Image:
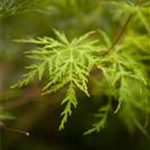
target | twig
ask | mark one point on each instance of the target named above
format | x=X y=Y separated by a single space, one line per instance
x=18 y=131
x=120 y=33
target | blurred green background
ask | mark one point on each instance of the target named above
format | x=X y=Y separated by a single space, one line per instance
x=41 y=115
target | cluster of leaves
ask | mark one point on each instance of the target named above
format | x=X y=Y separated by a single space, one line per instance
x=127 y=71
x=69 y=63
x=128 y=80
x=140 y=11
x=12 y=7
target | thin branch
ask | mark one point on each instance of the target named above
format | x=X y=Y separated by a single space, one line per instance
x=119 y=35
x=121 y=31
x=18 y=131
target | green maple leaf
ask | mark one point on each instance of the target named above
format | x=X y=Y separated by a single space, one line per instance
x=68 y=64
